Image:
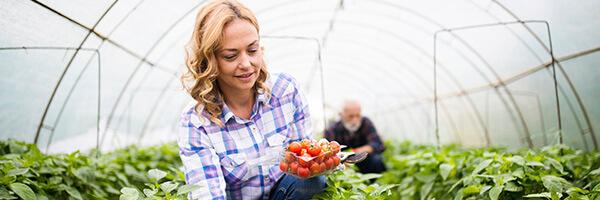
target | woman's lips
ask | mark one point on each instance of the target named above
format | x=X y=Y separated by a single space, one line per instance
x=245 y=77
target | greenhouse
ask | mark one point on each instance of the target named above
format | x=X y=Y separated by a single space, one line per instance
x=460 y=99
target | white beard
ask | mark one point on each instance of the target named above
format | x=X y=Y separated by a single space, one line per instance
x=352 y=128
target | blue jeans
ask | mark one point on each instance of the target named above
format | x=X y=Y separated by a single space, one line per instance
x=372 y=164
x=290 y=187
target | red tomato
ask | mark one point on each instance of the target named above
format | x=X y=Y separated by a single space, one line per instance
x=315 y=168
x=323 y=167
x=314 y=150
x=336 y=160
x=303 y=172
x=283 y=166
x=305 y=143
x=294 y=167
x=335 y=146
x=290 y=157
x=304 y=161
x=329 y=163
x=295 y=147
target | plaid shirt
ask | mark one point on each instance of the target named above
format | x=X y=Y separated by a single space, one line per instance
x=240 y=160
x=366 y=134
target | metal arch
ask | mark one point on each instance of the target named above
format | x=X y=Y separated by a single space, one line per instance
x=37 y=134
x=464 y=43
x=561 y=89
x=264 y=36
x=569 y=82
x=453 y=125
x=99 y=79
x=511 y=98
x=472 y=50
x=479 y=117
x=122 y=91
x=420 y=50
x=509 y=80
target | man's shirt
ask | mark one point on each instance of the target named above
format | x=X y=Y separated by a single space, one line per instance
x=366 y=134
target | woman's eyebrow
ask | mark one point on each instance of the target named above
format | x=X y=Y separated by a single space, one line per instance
x=253 y=43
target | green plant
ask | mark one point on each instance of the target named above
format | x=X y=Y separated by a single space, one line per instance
x=168 y=190
x=450 y=172
x=348 y=184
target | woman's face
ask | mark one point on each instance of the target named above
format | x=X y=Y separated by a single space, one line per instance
x=239 y=57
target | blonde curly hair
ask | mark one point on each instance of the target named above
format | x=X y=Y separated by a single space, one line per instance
x=200 y=78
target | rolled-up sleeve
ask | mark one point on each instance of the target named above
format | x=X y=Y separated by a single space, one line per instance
x=201 y=163
x=372 y=137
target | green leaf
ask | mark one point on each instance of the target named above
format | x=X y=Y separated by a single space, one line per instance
x=168 y=186
x=149 y=192
x=157 y=174
x=128 y=193
x=517 y=160
x=512 y=187
x=23 y=191
x=539 y=195
x=183 y=190
x=73 y=193
x=425 y=189
x=556 y=165
x=553 y=183
x=471 y=189
x=495 y=192
x=535 y=164
x=482 y=165
x=5 y=195
x=17 y=172
x=445 y=170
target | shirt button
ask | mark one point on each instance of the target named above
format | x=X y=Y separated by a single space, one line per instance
x=254 y=128
x=267 y=179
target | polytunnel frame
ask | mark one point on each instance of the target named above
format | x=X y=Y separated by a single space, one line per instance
x=582 y=107
x=418 y=14
x=568 y=80
x=422 y=51
x=501 y=83
x=90 y=31
x=99 y=66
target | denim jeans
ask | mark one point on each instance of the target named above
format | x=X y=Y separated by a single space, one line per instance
x=290 y=187
x=372 y=164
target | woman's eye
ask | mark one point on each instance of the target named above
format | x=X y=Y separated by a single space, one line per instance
x=252 y=50
x=229 y=57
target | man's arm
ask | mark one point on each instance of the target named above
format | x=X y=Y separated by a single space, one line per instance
x=374 y=144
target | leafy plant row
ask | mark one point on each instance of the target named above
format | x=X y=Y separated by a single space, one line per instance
x=452 y=172
x=128 y=173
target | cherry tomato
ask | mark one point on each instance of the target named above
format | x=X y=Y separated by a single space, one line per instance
x=315 y=168
x=329 y=163
x=305 y=143
x=283 y=166
x=336 y=160
x=304 y=161
x=295 y=147
x=290 y=157
x=323 y=167
x=335 y=146
x=314 y=150
x=303 y=172
x=294 y=167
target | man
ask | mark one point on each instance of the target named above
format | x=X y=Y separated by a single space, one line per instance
x=358 y=132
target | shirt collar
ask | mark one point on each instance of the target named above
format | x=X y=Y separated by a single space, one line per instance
x=261 y=98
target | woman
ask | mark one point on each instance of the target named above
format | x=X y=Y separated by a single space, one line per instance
x=234 y=131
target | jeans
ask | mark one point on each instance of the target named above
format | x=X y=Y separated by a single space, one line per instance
x=290 y=187
x=372 y=164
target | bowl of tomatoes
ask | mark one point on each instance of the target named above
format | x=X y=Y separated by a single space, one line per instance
x=309 y=158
